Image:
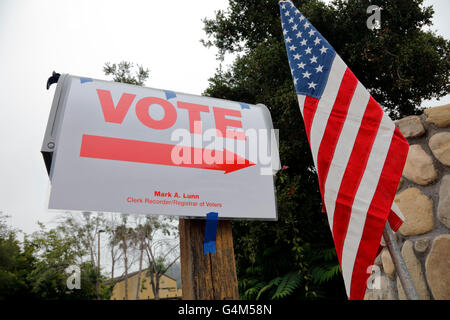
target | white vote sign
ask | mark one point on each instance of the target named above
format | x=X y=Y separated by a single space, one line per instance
x=131 y=149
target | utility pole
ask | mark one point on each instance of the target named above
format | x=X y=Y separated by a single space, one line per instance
x=97 y=284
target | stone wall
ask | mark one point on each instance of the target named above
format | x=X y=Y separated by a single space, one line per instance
x=423 y=196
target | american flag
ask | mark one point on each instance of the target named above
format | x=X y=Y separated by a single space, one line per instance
x=357 y=150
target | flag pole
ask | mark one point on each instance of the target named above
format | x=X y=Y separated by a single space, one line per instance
x=400 y=265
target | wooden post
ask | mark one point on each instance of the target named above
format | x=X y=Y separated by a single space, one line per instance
x=210 y=276
x=400 y=265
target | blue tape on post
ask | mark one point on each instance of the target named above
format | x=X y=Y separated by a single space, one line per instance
x=170 y=94
x=83 y=80
x=209 y=242
x=244 y=105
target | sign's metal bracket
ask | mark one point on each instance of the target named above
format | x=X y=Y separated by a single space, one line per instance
x=53 y=79
x=49 y=144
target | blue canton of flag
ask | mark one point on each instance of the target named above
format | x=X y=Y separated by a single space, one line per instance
x=310 y=55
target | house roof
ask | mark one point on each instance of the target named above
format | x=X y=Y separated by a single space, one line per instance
x=122 y=277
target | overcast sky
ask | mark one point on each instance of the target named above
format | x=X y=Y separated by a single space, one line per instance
x=78 y=37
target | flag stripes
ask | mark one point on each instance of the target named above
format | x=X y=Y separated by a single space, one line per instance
x=379 y=209
x=357 y=150
x=325 y=105
x=334 y=126
x=363 y=199
x=309 y=111
x=344 y=148
x=353 y=176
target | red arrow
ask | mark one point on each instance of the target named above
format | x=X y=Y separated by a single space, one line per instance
x=159 y=153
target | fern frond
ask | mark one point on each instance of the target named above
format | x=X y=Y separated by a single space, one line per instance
x=321 y=275
x=288 y=284
x=273 y=282
x=329 y=254
x=252 y=292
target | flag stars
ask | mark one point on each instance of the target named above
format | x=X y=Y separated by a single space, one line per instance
x=309 y=60
x=323 y=50
x=312 y=85
x=306 y=74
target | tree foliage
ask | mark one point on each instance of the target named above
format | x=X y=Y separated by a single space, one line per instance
x=36 y=267
x=15 y=263
x=55 y=251
x=400 y=64
x=123 y=72
x=161 y=248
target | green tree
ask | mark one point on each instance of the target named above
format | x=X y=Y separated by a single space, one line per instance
x=141 y=232
x=123 y=236
x=55 y=251
x=400 y=64
x=123 y=72
x=16 y=262
x=161 y=245
x=36 y=267
x=153 y=237
x=85 y=229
